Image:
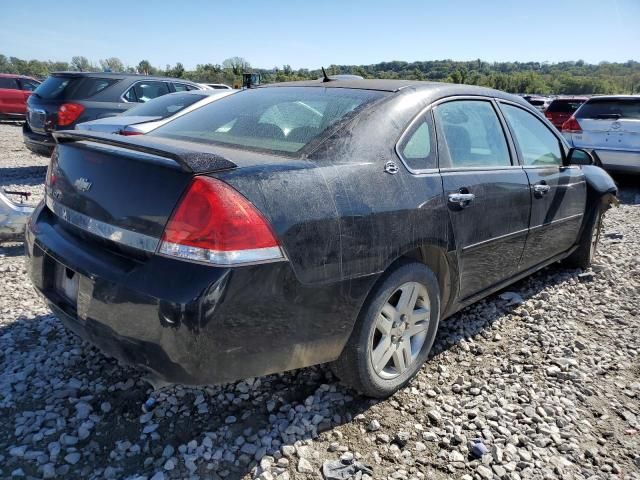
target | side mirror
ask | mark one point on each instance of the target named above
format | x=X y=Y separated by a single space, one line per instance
x=578 y=156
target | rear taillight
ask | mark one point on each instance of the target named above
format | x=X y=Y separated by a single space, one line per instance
x=69 y=113
x=215 y=224
x=571 y=126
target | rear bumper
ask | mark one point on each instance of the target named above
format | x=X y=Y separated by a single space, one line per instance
x=619 y=161
x=189 y=323
x=37 y=143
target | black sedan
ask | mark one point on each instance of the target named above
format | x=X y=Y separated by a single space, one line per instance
x=302 y=223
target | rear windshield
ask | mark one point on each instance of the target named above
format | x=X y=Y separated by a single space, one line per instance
x=281 y=119
x=611 y=108
x=536 y=103
x=72 y=88
x=164 y=106
x=564 y=106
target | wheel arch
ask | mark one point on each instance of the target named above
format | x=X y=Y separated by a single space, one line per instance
x=443 y=266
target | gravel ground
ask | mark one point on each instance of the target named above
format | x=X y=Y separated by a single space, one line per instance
x=543 y=383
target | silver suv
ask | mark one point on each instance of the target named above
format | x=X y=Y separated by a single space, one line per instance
x=610 y=126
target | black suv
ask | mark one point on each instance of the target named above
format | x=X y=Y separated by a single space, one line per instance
x=67 y=98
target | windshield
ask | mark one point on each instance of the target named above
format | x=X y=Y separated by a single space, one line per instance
x=282 y=119
x=610 y=108
x=72 y=88
x=164 y=106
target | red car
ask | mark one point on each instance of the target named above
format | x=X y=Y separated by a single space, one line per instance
x=561 y=108
x=14 y=91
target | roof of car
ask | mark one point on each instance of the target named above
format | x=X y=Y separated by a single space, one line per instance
x=614 y=97
x=443 y=89
x=13 y=75
x=118 y=75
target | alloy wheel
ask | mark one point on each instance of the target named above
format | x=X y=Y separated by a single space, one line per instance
x=400 y=330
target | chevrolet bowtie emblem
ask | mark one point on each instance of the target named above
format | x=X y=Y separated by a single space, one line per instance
x=82 y=184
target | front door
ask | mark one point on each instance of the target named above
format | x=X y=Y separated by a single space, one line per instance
x=486 y=190
x=558 y=193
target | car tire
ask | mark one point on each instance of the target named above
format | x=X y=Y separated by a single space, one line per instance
x=582 y=257
x=393 y=334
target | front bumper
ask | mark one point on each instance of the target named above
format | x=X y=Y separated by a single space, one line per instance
x=37 y=143
x=13 y=218
x=190 y=323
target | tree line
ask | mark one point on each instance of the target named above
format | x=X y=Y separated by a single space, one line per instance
x=572 y=77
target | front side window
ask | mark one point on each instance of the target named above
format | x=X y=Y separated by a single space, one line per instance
x=538 y=146
x=417 y=147
x=280 y=119
x=472 y=134
x=145 y=91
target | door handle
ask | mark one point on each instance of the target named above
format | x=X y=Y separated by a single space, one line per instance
x=461 y=199
x=541 y=189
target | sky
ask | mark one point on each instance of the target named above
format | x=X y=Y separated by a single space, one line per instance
x=310 y=34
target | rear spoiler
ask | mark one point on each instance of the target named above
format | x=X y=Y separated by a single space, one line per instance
x=192 y=161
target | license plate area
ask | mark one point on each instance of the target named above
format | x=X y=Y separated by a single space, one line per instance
x=65 y=284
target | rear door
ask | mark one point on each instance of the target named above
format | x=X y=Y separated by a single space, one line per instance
x=27 y=86
x=610 y=124
x=558 y=193
x=11 y=98
x=487 y=192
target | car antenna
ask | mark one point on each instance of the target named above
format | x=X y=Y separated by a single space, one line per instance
x=326 y=77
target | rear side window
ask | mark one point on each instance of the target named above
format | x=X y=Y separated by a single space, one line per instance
x=564 y=106
x=280 y=119
x=73 y=88
x=10 y=83
x=610 y=109
x=538 y=146
x=164 y=106
x=417 y=146
x=472 y=134
x=183 y=87
x=28 y=85
x=145 y=91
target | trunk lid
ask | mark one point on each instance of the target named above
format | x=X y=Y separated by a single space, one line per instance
x=120 y=188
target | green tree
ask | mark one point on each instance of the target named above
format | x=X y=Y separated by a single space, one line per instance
x=81 y=64
x=113 y=64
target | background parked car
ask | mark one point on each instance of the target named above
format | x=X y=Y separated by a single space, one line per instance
x=541 y=103
x=216 y=86
x=65 y=99
x=561 y=108
x=14 y=92
x=610 y=126
x=144 y=118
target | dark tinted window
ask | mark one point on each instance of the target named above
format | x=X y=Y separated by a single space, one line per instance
x=72 y=88
x=538 y=146
x=28 y=85
x=9 y=83
x=181 y=87
x=417 y=147
x=145 y=91
x=282 y=119
x=536 y=103
x=164 y=106
x=472 y=134
x=610 y=108
x=564 y=106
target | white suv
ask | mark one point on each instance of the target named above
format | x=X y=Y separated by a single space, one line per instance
x=610 y=126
